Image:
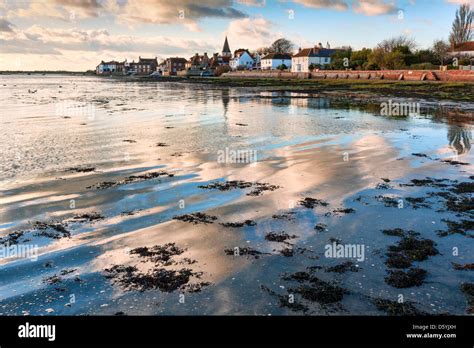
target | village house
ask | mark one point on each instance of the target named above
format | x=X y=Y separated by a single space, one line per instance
x=110 y=67
x=172 y=65
x=242 y=59
x=144 y=66
x=198 y=62
x=273 y=60
x=316 y=56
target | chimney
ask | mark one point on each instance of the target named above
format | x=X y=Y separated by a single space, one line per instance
x=299 y=49
x=320 y=45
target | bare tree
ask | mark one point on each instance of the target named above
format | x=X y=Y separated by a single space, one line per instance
x=393 y=43
x=441 y=50
x=282 y=46
x=462 y=25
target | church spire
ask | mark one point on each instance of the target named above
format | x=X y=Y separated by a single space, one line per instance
x=226 y=49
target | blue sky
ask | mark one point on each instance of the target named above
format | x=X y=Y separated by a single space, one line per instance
x=77 y=34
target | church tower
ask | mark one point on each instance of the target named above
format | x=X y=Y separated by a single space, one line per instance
x=226 y=49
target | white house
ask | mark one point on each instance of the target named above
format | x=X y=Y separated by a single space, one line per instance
x=110 y=67
x=302 y=60
x=242 y=58
x=274 y=60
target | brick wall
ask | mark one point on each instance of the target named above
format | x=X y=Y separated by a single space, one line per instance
x=403 y=75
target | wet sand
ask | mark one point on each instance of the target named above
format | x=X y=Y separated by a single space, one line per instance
x=120 y=187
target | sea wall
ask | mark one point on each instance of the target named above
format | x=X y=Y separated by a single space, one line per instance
x=401 y=75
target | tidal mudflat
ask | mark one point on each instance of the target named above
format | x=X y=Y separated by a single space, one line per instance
x=124 y=198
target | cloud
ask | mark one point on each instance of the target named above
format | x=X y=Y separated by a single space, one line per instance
x=374 y=7
x=365 y=7
x=6 y=26
x=339 y=5
x=82 y=49
x=461 y=2
x=251 y=33
x=131 y=12
x=89 y=8
x=255 y=3
x=174 y=12
x=66 y=10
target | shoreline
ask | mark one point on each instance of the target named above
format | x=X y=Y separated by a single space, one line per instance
x=353 y=89
x=430 y=94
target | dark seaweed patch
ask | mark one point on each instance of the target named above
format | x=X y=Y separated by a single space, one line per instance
x=244 y=251
x=320 y=291
x=130 y=180
x=81 y=169
x=289 y=216
x=279 y=237
x=383 y=186
x=12 y=238
x=257 y=188
x=431 y=182
x=320 y=227
x=420 y=155
x=285 y=301
x=396 y=308
x=387 y=201
x=159 y=278
x=468 y=290
x=88 y=217
x=417 y=202
x=409 y=249
x=343 y=267
x=55 y=230
x=310 y=203
x=159 y=253
x=402 y=279
x=415 y=249
x=54 y=279
x=196 y=218
x=239 y=224
x=461 y=227
x=465 y=267
x=340 y=211
x=398 y=232
x=455 y=163
x=287 y=252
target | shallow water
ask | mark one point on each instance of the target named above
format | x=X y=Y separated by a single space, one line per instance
x=308 y=147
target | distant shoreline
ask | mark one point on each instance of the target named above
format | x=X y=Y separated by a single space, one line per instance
x=356 y=90
x=39 y=72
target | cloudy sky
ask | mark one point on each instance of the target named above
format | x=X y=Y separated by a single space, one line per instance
x=76 y=34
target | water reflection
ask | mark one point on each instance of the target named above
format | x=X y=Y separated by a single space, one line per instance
x=460 y=139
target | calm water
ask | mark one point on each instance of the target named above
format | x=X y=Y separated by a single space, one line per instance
x=308 y=147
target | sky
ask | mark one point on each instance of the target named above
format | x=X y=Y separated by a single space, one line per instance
x=76 y=35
